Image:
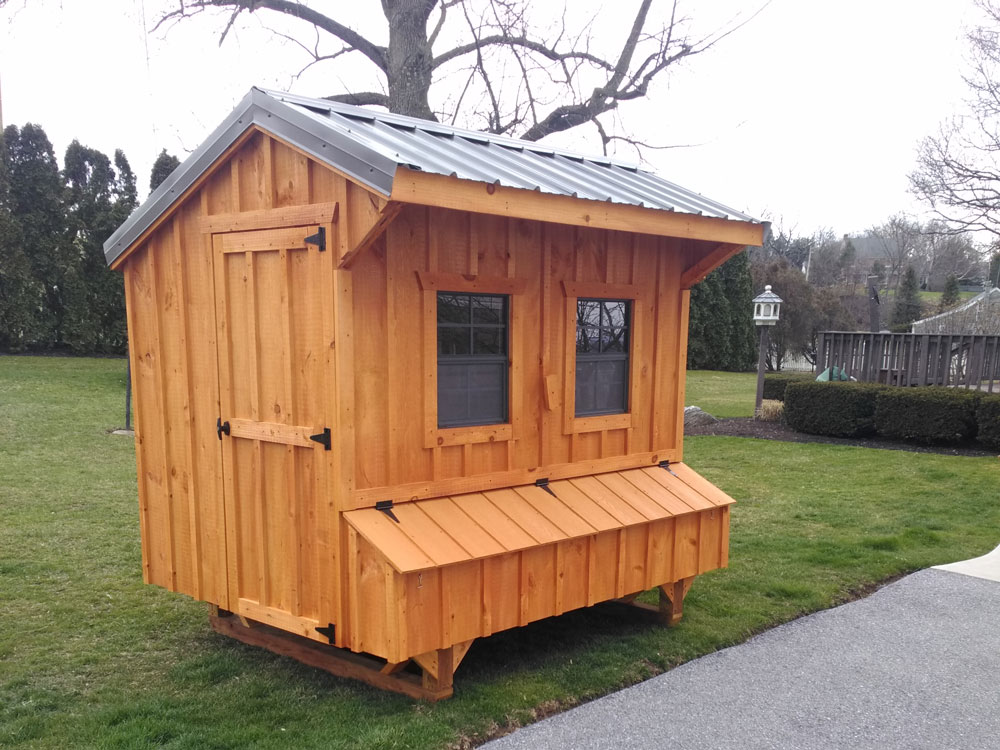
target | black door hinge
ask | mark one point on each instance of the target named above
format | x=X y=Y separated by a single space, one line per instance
x=318 y=239
x=666 y=465
x=544 y=484
x=330 y=631
x=221 y=427
x=323 y=438
x=386 y=507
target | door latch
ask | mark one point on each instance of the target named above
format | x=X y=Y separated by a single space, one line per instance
x=221 y=427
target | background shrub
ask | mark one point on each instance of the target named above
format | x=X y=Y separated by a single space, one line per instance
x=838 y=409
x=775 y=382
x=927 y=414
x=988 y=421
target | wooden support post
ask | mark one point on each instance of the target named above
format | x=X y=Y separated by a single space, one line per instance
x=672 y=600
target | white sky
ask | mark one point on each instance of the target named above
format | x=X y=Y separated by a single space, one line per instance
x=810 y=115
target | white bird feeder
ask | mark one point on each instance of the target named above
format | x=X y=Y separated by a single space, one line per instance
x=766 y=307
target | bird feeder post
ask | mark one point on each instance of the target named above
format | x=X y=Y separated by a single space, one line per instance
x=766 y=309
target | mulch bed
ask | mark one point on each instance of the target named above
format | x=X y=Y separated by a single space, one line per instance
x=750 y=428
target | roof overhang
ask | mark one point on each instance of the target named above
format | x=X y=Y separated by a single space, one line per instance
x=367 y=166
x=428 y=189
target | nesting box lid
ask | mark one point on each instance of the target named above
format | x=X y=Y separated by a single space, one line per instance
x=441 y=531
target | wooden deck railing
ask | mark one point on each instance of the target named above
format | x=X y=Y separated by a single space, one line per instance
x=913 y=358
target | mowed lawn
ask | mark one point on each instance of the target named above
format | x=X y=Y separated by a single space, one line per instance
x=91 y=657
x=722 y=394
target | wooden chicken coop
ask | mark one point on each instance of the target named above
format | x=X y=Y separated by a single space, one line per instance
x=400 y=386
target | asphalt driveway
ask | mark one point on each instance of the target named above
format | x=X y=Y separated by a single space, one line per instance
x=914 y=665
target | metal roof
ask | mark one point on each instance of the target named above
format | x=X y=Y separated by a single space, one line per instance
x=369 y=146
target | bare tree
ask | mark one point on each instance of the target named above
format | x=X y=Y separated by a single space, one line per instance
x=514 y=74
x=958 y=169
x=899 y=239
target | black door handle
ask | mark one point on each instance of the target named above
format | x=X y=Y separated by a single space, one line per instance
x=221 y=427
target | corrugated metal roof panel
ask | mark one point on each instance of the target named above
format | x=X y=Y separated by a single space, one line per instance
x=448 y=530
x=369 y=146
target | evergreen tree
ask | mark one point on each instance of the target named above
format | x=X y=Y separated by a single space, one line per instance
x=98 y=201
x=36 y=207
x=995 y=269
x=907 y=306
x=950 y=295
x=721 y=330
x=21 y=302
x=162 y=167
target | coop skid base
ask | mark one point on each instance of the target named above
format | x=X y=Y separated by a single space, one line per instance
x=437 y=667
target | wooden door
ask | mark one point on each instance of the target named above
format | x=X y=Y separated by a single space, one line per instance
x=273 y=381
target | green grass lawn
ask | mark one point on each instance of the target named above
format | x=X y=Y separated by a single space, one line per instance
x=90 y=657
x=722 y=394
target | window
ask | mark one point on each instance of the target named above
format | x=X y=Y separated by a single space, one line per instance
x=602 y=334
x=472 y=359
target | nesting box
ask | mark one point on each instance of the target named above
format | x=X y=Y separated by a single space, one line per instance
x=401 y=386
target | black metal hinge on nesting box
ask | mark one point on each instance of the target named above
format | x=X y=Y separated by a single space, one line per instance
x=323 y=438
x=386 y=507
x=318 y=239
x=544 y=484
x=329 y=631
x=666 y=465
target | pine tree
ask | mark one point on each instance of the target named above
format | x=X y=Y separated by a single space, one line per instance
x=162 y=167
x=950 y=295
x=907 y=306
x=995 y=269
x=20 y=295
x=98 y=201
x=721 y=330
x=36 y=207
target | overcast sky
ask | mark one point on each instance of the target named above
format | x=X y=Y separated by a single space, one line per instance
x=809 y=115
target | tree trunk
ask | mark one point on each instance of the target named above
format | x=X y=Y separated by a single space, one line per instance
x=409 y=57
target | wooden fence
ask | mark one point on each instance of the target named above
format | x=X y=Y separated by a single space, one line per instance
x=913 y=358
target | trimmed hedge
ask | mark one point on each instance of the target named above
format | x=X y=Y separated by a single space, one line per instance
x=988 y=420
x=927 y=414
x=837 y=409
x=775 y=383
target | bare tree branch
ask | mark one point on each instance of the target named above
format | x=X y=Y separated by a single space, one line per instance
x=373 y=52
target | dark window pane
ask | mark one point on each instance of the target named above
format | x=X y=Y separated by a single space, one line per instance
x=488 y=310
x=585 y=387
x=486 y=392
x=488 y=341
x=453 y=308
x=588 y=312
x=614 y=314
x=472 y=366
x=614 y=340
x=453 y=340
x=453 y=389
x=587 y=338
x=602 y=356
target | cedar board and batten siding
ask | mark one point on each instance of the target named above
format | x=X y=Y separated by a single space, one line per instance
x=265 y=332
x=170 y=282
x=543 y=267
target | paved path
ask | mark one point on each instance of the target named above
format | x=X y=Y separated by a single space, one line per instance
x=915 y=665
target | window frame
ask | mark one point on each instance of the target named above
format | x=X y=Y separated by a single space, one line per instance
x=573 y=292
x=501 y=360
x=431 y=282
